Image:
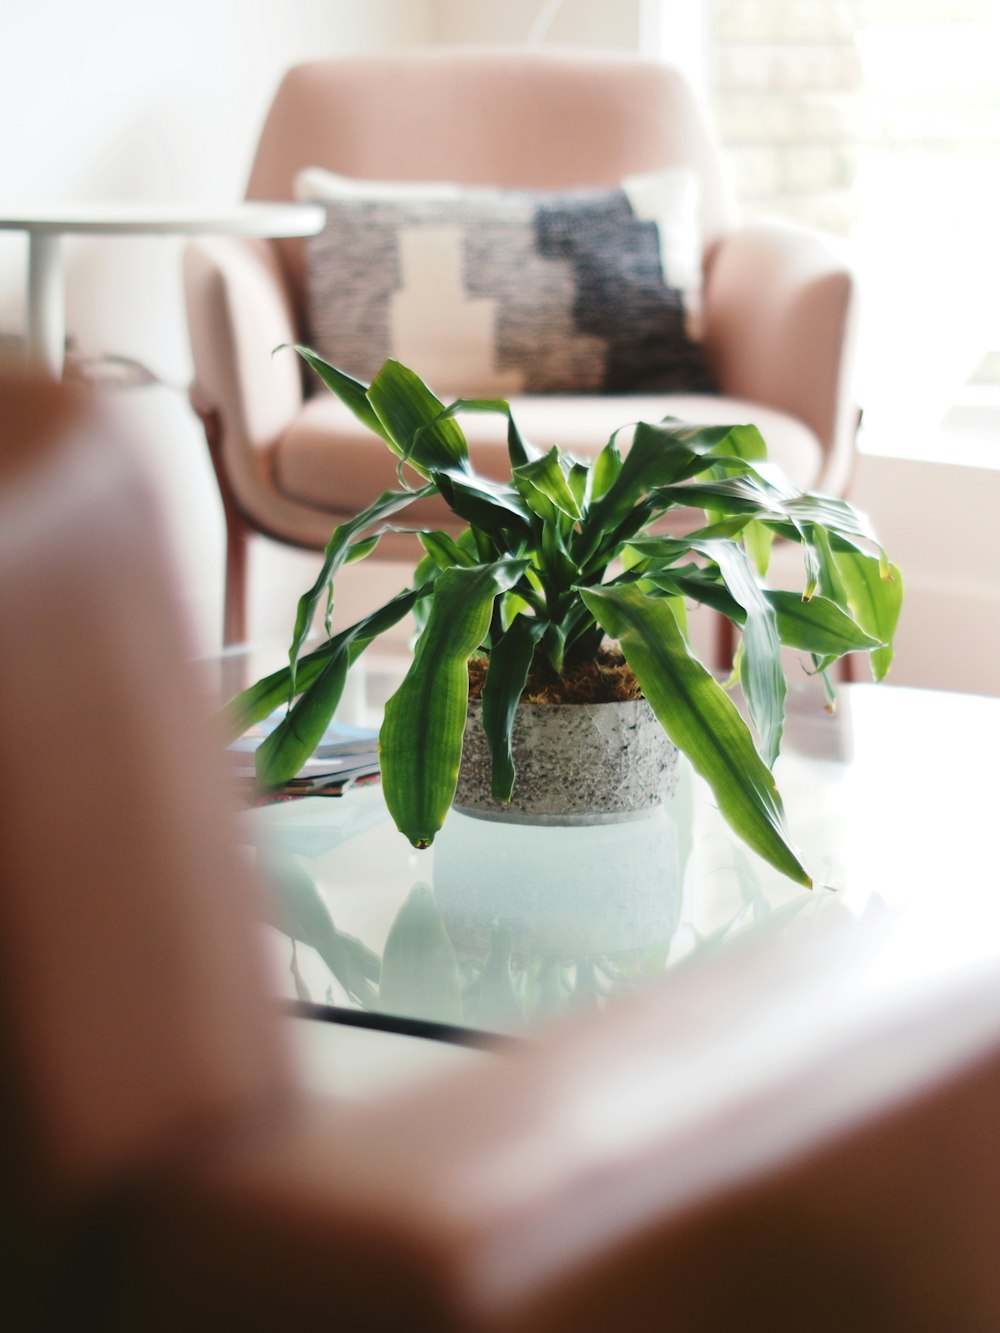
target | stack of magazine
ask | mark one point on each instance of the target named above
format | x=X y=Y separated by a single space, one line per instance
x=346 y=756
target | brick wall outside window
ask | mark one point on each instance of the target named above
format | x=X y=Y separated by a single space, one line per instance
x=806 y=93
x=879 y=121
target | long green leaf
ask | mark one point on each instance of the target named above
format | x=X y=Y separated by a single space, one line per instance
x=545 y=477
x=761 y=673
x=518 y=450
x=510 y=662
x=351 y=392
x=281 y=754
x=765 y=494
x=876 y=598
x=659 y=456
x=817 y=626
x=417 y=421
x=828 y=579
x=489 y=505
x=444 y=550
x=605 y=470
x=270 y=692
x=699 y=718
x=420 y=743
x=727 y=496
x=335 y=554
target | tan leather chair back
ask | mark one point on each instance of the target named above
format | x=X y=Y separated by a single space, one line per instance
x=501 y=117
x=133 y=1011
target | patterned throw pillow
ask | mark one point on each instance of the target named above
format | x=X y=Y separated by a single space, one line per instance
x=494 y=292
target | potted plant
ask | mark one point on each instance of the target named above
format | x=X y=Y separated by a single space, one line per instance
x=561 y=557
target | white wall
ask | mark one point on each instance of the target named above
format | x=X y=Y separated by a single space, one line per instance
x=606 y=23
x=938 y=520
x=136 y=100
x=130 y=99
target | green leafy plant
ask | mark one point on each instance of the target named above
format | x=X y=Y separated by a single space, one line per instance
x=557 y=558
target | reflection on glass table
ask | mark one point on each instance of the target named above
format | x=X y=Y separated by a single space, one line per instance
x=500 y=926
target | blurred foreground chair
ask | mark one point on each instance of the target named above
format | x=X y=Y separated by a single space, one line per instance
x=773 y=1141
x=776 y=308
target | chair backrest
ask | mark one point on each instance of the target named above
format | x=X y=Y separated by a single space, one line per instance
x=490 y=117
x=133 y=1008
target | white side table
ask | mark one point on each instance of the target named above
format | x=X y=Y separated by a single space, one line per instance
x=46 y=331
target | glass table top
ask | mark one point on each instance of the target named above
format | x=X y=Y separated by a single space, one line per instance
x=500 y=927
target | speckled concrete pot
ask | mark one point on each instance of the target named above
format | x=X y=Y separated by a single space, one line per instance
x=576 y=764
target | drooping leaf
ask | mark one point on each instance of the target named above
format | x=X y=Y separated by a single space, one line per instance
x=875 y=598
x=270 y=692
x=703 y=589
x=658 y=552
x=836 y=515
x=281 y=754
x=337 y=549
x=510 y=662
x=420 y=743
x=725 y=496
x=761 y=673
x=817 y=626
x=828 y=579
x=700 y=719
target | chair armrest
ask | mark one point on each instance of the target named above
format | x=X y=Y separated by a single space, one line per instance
x=780 y=317
x=239 y=310
x=622 y=1167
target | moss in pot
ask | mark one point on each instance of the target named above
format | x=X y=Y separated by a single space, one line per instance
x=561 y=557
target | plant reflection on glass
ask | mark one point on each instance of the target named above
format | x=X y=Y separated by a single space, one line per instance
x=556 y=558
x=501 y=974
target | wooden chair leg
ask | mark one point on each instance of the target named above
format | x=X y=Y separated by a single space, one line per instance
x=724 y=645
x=234 y=615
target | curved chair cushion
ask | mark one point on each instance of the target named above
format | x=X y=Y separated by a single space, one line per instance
x=329 y=461
x=496 y=292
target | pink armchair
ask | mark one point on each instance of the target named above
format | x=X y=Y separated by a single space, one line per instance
x=777 y=306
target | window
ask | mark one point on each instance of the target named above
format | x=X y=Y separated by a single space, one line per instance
x=877 y=121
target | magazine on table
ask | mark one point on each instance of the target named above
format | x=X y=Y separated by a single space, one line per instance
x=346 y=756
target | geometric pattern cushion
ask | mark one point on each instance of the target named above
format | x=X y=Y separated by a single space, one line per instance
x=496 y=292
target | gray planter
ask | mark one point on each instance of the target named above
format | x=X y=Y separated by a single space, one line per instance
x=576 y=764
